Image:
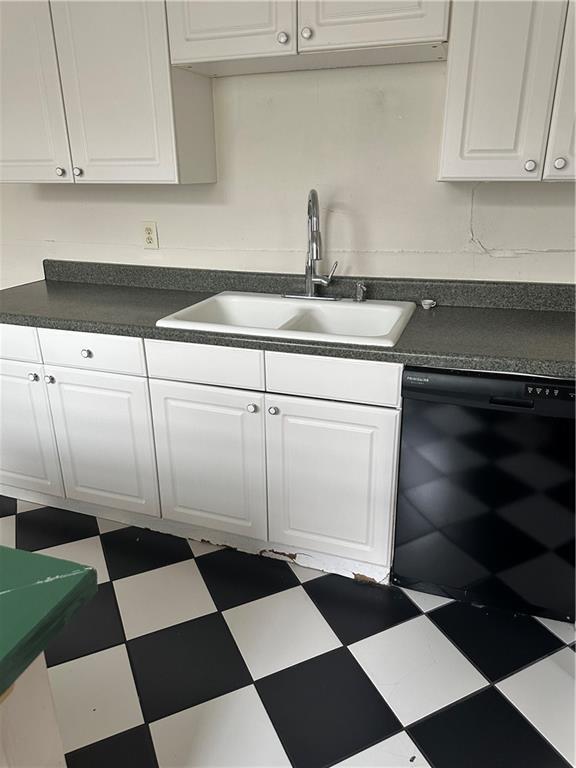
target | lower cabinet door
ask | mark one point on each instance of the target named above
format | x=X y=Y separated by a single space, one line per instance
x=211 y=456
x=28 y=455
x=104 y=433
x=331 y=476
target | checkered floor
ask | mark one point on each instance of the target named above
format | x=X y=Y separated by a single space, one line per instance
x=192 y=655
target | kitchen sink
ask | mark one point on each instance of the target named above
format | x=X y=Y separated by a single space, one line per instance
x=377 y=323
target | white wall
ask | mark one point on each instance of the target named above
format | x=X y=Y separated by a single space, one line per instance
x=367 y=139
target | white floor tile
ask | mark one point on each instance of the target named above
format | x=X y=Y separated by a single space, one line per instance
x=398 y=751
x=200 y=548
x=416 y=668
x=544 y=693
x=232 y=730
x=95 y=697
x=86 y=551
x=305 y=574
x=162 y=597
x=26 y=506
x=106 y=526
x=562 y=629
x=8 y=531
x=279 y=631
x=424 y=601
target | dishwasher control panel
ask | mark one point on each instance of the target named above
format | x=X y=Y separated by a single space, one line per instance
x=548 y=392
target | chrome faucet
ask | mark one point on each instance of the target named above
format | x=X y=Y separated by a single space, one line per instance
x=314 y=254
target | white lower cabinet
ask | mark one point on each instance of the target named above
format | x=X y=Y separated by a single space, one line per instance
x=211 y=456
x=28 y=455
x=331 y=476
x=104 y=434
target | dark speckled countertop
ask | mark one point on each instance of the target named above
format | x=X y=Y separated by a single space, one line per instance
x=490 y=338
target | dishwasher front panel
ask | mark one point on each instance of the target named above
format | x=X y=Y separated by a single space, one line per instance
x=485 y=509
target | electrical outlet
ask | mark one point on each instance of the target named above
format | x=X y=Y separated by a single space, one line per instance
x=150 y=234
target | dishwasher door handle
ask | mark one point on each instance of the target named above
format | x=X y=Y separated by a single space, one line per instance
x=510 y=402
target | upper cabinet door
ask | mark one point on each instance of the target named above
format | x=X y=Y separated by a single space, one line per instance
x=560 y=155
x=204 y=30
x=502 y=67
x=33 y=138
x=115 y=75
x=333 y=24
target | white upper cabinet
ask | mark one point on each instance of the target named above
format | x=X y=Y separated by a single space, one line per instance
x=334 y=24
x=204 y=30
x=560 y=156
x=88 y=96
x=244 y=36
x=502 y=68
x=33 y=138
x=116 y=80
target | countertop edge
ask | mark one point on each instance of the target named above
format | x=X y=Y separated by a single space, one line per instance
x=565 y=369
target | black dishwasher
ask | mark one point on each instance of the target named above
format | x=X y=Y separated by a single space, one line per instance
x=485 y=509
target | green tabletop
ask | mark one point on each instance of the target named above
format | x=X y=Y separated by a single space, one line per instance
x=38 y=595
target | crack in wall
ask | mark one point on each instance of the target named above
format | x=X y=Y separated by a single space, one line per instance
x=474 y=239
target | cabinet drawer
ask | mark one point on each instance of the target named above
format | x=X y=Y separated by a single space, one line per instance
x=19 y=342
x=332 y=378
x=205 y=364
x=97 y=351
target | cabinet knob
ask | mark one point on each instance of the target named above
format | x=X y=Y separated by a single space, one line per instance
x=87 y=353
x=49 y=379
x=77 y=171
x=306 y=33
x=252 y=408
x=560 y=163
x=33 y=377
x=283 y=37
x=60 y=171
x=530 y=165
x=273 y=411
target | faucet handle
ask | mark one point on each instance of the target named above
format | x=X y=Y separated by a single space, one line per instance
x=330 y=274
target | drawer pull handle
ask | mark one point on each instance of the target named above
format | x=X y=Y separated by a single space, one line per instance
x=252 y=408
x=33 y=377
x=49 y=379
x=87 y=353
x=273 y=411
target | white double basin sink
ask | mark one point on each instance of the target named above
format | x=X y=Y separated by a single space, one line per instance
x=374 y=323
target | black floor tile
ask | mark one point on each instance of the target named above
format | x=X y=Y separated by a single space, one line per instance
x=354 y=610
x=50 y=526
x=130 y=748
x=134 y=550
x=234 y=578
x=497 y=642
x=96 y=626
x=483 y=731
x=7 y=506
x=326 y=709
x=186 y=664
x=493 y=542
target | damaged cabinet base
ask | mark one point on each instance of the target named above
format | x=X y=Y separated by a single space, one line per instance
x=306 y=558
